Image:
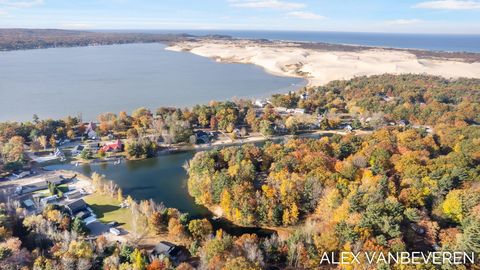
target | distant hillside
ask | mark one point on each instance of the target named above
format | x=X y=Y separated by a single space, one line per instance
x=22 y=39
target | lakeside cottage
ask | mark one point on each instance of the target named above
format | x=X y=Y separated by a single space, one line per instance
x=117 y=146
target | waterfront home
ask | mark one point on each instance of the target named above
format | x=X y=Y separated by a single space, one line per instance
x=54 y=180
x=90 y=131
x=202 y=137
x=93 y=146
x=78 y=209
x=176 y=254
x=49 y=200
x=117 y=146
x=77 y=149
x=72 y=195
x=59 y=154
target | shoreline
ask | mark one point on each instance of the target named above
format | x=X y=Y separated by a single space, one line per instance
x=321 y=63
x=224 y=143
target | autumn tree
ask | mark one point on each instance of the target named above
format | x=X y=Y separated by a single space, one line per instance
x=200 y=228
x=157 y=222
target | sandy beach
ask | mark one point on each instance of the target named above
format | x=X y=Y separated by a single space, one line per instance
x=322 y=66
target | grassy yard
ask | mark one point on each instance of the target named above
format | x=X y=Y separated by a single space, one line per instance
x=107 y=209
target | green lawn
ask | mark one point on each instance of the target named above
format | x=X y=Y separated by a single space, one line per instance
x=107 y=209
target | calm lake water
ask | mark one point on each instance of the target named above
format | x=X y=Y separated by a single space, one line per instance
x=162 y=179
x=92 y=80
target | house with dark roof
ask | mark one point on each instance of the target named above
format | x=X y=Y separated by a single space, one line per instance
x=90 y=130
x=74 y=194
x=202 y=137
x=177 y=254
x=78 y=209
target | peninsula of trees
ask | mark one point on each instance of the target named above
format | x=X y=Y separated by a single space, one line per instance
x=23 y=39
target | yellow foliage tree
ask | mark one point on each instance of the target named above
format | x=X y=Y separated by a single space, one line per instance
x=226 y=203
x=294 y=214
x=452 y=206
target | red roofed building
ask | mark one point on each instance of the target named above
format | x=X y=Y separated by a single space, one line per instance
x=113 y=147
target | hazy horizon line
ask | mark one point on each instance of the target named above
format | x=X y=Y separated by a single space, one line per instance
x=241 y=30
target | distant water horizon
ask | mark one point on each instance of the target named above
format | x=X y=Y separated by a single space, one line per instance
x=431 y=42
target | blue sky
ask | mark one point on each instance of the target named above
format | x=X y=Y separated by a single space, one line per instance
x=407 y=16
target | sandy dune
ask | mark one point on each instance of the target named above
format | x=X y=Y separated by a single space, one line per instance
x=321 y=66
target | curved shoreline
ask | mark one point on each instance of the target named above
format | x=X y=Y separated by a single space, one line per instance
x=320 y=65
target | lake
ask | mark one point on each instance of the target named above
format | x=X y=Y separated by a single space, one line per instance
x=87 y=81
x=162 y=179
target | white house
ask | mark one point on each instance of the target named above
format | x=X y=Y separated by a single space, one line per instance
x=260 y=103
x=299 y=111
